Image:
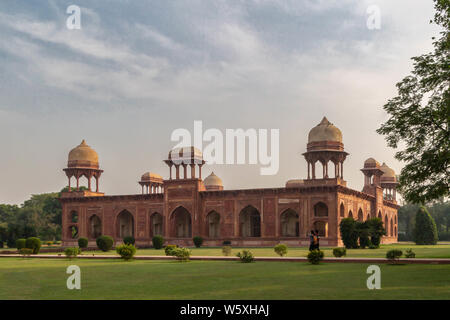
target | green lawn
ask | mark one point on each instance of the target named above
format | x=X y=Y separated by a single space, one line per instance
x=437 y=251
x=117 y=279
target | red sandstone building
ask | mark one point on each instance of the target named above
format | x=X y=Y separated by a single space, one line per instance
x=185 y=206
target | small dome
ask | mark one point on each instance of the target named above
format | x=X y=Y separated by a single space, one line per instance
x=186 y=155
x=150 y=176
x=325 y=131
x=388 y=173
x=212 y=180
x=83 y=156
x=371 y=163
x=295 y=183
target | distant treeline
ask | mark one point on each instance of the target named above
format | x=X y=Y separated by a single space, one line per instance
x=440 y=211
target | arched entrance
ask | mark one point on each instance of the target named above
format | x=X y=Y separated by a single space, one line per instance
x=181 y=223
x=156 y=224
x=342 y=211
x=360 y=215
x=350 y=214
x=320 y=210
x=125 y=225
x=386 y=225
x=213 y=224
x=95 y=227
x=289 y=223
x=250 y=222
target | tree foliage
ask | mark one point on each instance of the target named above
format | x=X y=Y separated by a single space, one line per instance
x=425 y=231
x=419 y=119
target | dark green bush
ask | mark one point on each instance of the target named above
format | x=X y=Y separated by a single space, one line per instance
x=339 y=252
x=11 y=242
x=410 y=254
x=363 y=234
x=315 y=256
x=158 y=242
x=83 y=243
x=425 y=231
x=198 y=241
x=246 y=256
x=371 y=246
x=281 y=249
x=226 y=243
x=129 y=240
x=34 y=244
x=105 y=243
x=72 y=252
x=376 y=231
x=21 y=243
x=393 y=255
x=126 y=251
x=349 y=233
x=1 y=244
x=169 y=249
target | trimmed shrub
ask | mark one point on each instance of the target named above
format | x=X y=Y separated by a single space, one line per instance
x=376 y=231
x=393 y=255
x=246 y=256
x=182 y=254
x=34 y=244
x=349 y=233
x=83 y=243
x=425 y=231
x=72 y=252
x=372 y=246
x=226 y=250
x=226 y=243
x=281 y=249
x=198 y=241
x=409 y=253
x=339 y=252
x=25 y=252
x=129 y=240
x=105 y=243
x=169 y=249
x=11 y=242
x=49 y=243
x=363 y=234
x=21 y=243
x=126 y=251
x=315 y=256
x=158 y=242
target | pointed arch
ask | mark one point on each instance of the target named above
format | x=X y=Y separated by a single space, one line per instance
x=181 y=223
x=322 y=227
x=350 y=214
x=320 y=209
x=391 y=230
x=250 y=222
x=360 y=215
x=342 y=210
x=213 y=224
x=95 y=227
x=290 y=226
x=124 y=224
x=156 y=224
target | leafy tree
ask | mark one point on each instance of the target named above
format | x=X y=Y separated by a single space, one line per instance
x=419 y=119
x=376 y=230
x=349 y=233
x=425 y=231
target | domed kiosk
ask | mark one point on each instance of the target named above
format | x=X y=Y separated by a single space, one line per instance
x=185 y=156
x=325 y=144
x=213 y=182
x=83 y=161
x=389 y=182
x=151 y=183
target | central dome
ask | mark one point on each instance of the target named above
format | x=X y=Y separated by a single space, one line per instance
x=325 y=131
x=83 y=156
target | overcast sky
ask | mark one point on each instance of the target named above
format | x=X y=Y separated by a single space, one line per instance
x=137 y=70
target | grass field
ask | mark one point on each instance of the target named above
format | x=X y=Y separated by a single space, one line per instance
x=117 y=279
x=437 y=251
